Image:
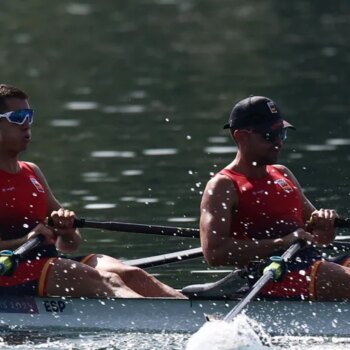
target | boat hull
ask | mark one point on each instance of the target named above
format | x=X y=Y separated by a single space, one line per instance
x=173 y=315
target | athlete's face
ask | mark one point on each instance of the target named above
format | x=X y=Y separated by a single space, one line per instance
x=262 y=151
x=14 y=138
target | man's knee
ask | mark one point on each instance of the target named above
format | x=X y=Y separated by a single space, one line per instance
x=133 y=273
x=110 y=278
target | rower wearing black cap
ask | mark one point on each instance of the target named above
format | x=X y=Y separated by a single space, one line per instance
x=254 y=208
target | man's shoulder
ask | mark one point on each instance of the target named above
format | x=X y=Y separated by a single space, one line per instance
x=31 y=168
x=28 y=164
x=220 y=176
x=219 y=189
x=287 y=173
x=282 y=168
x=220 y=180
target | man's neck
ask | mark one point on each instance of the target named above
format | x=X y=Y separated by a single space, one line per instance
x=9 y=164
x=247 y=168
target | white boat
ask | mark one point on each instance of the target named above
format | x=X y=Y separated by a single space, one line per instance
x=163 y=314
x=206 y=301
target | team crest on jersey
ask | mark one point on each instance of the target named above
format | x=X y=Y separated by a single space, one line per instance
x=37 y=184
x=284 y=185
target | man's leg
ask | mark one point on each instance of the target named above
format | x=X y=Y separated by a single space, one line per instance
x=135 y=278
x=69 y=278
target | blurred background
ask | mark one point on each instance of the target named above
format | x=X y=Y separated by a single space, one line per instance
x=130 y=98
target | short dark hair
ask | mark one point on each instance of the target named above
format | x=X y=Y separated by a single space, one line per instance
x=9 y=91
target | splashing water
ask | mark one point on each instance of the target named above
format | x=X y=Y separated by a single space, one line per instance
x=241 y=334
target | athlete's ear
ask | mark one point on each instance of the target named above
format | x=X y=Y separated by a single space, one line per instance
x=240 y=135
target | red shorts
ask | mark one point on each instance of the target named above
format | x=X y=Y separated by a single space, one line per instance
x=31 y=276
x=299 y=283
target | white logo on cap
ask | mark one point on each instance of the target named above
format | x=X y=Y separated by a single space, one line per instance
x=272 y=107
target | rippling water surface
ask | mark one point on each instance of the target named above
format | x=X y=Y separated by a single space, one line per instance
x=130 y=99
x=224 y=338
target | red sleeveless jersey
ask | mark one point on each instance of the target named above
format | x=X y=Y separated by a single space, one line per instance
x=23 y=202
x=269 y=207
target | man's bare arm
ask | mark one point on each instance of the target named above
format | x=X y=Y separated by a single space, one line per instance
x=68 y=237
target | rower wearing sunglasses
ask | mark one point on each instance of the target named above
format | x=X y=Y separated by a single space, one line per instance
x=26 y=201
x=254 y=209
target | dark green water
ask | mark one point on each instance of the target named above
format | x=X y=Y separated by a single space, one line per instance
x=130 y=99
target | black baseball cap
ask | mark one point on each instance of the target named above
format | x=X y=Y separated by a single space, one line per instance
x=257 y=112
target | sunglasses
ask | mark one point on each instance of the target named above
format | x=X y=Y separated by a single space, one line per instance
x=272 y=136
x=19 y=117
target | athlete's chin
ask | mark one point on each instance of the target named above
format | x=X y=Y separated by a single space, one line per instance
x=23 y=147
x=274 y=156
x=269 y=161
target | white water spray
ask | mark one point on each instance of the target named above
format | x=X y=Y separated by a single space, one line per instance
x=240 y=334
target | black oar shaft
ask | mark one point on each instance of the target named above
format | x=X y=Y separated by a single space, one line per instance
x=140 y=228
x=171 y=230
x=342 y=222
x=262 y=281
x=29 y=245
x=252 y=294
x=158 y=230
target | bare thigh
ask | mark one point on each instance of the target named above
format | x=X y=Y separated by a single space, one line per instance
x=71 y=278
x=135 y=278
x=333 y=282
x=107 y=263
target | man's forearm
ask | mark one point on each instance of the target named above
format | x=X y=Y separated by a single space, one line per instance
x=69 y=243
x=241 y=252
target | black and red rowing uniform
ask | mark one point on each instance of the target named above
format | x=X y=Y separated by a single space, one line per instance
x=23 y=205
x=269 y=208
